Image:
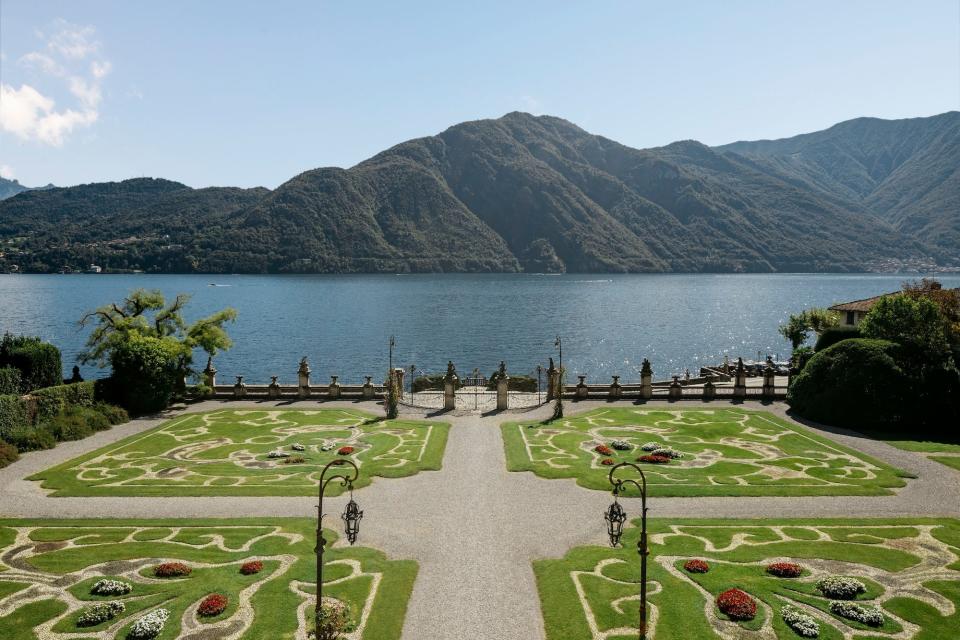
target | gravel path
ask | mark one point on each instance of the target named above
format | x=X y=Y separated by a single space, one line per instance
x=473 y=527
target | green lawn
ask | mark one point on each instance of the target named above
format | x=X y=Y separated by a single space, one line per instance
x=725 y=452
x=937 y=447
x=910 y=569
x=49 y=566
x=225 y=453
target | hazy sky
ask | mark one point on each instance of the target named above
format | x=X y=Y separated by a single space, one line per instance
x=252 y=93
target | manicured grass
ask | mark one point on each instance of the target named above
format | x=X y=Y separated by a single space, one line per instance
x=726 y=452
x=225 y=453
x=69 y=556
x=909 y=567
x=929 y=445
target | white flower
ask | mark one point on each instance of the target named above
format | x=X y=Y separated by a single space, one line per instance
x=802 y=623
x=840 y=587
x=651 y=446
x=621 y=445
x=278 y=453
x=667 y=452
x=111 y=588
x=100 y=612
x=150 y=625
x=296 y=446
x=871 y=616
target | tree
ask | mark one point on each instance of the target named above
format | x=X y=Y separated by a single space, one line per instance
x=947 y=300
x=820 y=319
x=915 y=323
x=795 y=330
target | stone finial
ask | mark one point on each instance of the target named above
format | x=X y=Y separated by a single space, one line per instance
x=645 y=368
x=239 y=389
x=210 y=369
x=273 y=389
x=503 y=369
x=451 y=371
x=304 y=369
x=551 y=368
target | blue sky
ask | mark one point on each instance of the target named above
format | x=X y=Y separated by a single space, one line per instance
x=252 y=93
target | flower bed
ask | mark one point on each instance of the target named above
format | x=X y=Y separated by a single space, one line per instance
x=296 y=446
x=840 y=587
x=737 y=605
x=621 y=445
x=149 y=626
x=667 y=452
x=802 y=623
x=345 y=451
x=172 y=570
x=603 y=450
x=327 y=446
x=696 y=566
x=785 y=570
x=651 y=446
x=870 y=616
x=607 y=462
x=212 y=605
x=278 y=453
x=294 y=460
x=111 y=588
x=252 y=567
x=654 y=459
x=100 y=612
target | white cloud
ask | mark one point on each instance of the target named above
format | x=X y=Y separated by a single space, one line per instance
x=6 y=171
x=31 y=115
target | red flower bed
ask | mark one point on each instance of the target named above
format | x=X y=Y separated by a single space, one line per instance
x=696 y=566
x=603 y=450
x=252 y=567
x=737 y=605
x=345 y=451
x=171 y=570
x=785 y=570
x=607 y=462
x=212 y=605
x=654 y=459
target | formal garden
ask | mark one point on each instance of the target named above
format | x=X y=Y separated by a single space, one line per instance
x=250 y=453
x=189 y=579
x=783 y=579
x=695 y=452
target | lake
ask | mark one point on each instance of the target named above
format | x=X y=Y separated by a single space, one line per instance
x=608 y=323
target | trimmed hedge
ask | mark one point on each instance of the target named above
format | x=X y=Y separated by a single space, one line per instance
x=833 y=335
x=53 y=400
x=13 y=414
x=39 y=362
x=515 y=383
x=9 y=380
x=8 y=454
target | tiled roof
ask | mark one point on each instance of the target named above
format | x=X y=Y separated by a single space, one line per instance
x=860 y=305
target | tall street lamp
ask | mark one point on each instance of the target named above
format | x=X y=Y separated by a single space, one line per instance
x=351 y=516
x=615 y=516
x=393 y=343
x=558 y=343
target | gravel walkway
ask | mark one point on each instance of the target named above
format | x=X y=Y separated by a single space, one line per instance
x=473 y=527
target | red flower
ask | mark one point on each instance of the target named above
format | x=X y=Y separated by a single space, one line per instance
x=252 y=567
x=607 y=461
x=654 y=459
x=737 y=605
x=345 y=451
x=212 y=605
x=785 y=570
x=696 y=566
x=603 y=450
x=171 y=570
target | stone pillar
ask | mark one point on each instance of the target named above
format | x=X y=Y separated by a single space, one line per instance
x=398 y=373
x=333 y=391
x=646 y=380
x=450 y=388
x=676 y=389
x=709 y=390
x=368 y=392
x=740 y=380
x=210 y=374
x=303 y=379
x=616 y=391
x=503 y=387
x=769 y=382
x=552 y=375
x=582 y=387
x=273 y=391
x=239 y=389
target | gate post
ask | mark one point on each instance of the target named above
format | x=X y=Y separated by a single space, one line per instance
x=769 y=382
x=303 y=379
x=503 y=386
x=616 y=391
x=646 y=380
x=709 y=389
x=210 y=374
x=398 y=376
x=552 y=380
x=582 y=387
x=740 y=382
x=273 y=391
x=676 y=389
x=368 y=388
x=239 y=389
x=334 y=389
x=450 y=388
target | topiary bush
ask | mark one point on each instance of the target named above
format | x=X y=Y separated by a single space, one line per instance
x=833 y=335
x=39 y=362
x=9 y=380
x=145 y=371
x=8 y=454
x=53 y=400
x=855 y=383
x=13 y=415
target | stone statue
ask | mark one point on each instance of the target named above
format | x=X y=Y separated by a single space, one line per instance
x=739 y=365
x=645 y=368
x=503 y=369
x=451 y=371
x=76 y=377
x=551 y=368
x=304 y=369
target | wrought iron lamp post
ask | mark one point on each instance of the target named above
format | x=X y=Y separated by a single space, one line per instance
x=559 y=345
x=351 y=516
x=615 y=516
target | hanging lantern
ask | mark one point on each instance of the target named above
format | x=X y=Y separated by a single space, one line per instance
x=615 y=517
x=351 y=520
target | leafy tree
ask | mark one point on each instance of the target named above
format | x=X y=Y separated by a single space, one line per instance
x=947 y=300
x=819 y=320
x=915 y=323
x=796 y=329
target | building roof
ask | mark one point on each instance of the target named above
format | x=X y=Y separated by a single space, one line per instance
x=861 y=305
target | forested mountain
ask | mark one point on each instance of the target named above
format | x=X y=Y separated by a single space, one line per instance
x=535 y=194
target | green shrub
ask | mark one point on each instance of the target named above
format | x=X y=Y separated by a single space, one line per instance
x=29 y=438
x=145 y=371
x=516 y=383
x=432 y=383
x=9 y=380
x=69 y=425
x=8 y=454
x=854 y=383
x=113 y=413
x=13 y=414
x=800 y=357
x=39 y=362
x=53 y=400
x=833 y=335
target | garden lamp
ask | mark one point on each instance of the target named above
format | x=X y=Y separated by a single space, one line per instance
x=615 y=517
x=351 y=519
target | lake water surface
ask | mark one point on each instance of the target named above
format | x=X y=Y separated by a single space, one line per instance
x=609 y=323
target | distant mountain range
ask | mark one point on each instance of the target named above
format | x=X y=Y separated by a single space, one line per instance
x=526 y=193
x=10 y=188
